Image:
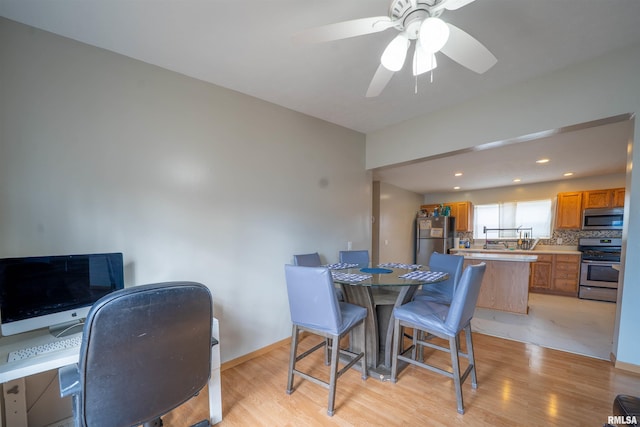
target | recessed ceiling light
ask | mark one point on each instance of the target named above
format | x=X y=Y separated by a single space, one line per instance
x=458 y=174
x=456 y=188
x=517 y=180
x=542 y=161
x=568 y=173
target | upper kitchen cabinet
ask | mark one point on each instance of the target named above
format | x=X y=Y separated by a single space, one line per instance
x=461 y=211
x=603 y=198
x=464 y=216
x=618 y=198
x=571 y=204
x=569 y=210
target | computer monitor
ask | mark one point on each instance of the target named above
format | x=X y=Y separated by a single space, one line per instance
x=54 y=291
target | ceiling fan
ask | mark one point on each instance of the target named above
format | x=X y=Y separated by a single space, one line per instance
x=415 y=20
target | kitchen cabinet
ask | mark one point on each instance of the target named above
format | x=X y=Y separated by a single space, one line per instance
x=541 y=273
x=566 y=274
x=618 y=198
x=461 y=211
x=603 y=198
x=555 y=274
x=596 y=199
x=570 y=205
x=569 y=210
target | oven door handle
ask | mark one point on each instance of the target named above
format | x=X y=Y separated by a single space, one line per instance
x=586 y=261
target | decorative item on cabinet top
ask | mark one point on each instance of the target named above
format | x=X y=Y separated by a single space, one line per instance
x=461 y=211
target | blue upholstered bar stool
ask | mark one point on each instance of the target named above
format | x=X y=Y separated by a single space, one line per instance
x=313 y=260
x=360 y=257
x=307 y=260
x=442 y=292
x=444 y=321
x=315 y=309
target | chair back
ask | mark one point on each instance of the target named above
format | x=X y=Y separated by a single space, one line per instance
x=451 y=264
x=360 y=257
x=312 y=299
x=465 y=297
x=145 y=350
x=307 y=260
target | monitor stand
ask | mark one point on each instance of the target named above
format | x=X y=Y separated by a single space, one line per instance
x=65 y=329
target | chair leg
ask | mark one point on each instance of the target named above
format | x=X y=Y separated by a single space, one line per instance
x=455 y=364
x=471 y=356
x=335 y=348
x=292 y=358
x=327 y=346
x=363 y=360
x=397 y=336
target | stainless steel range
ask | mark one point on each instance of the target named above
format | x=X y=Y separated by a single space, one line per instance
x=598 y=270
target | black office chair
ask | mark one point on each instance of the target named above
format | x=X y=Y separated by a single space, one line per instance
x=145 y=351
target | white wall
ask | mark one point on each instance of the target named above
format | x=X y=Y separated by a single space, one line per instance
x=604 y=87
x=397 y=216
x=99 y=152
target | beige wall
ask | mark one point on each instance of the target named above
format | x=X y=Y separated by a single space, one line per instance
x=99 y=152
x=396 y=222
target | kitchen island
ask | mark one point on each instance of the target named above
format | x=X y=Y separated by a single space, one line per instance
x=505 y=285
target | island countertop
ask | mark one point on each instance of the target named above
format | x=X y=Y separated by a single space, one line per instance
x=506 y=256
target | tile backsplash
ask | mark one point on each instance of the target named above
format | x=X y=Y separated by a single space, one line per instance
x=569 y=237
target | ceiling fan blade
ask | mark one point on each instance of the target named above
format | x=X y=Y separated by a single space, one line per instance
x=456 y=4
x=422 y=61
x=345 y=30
x=379 y=81
x=467 y=51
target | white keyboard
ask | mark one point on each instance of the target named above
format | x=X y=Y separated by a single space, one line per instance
x=63 y=344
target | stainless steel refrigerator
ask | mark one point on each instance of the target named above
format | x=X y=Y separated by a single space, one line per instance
x=433 y=234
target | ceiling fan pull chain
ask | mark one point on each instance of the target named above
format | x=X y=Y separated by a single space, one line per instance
x=432 y=66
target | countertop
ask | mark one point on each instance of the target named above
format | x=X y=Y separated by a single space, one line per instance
x=539 y=249
x=500 y=256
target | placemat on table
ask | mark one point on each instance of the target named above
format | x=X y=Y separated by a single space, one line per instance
x=400 y=265
x=350 y=277
x=423 y=275
x=340 y=266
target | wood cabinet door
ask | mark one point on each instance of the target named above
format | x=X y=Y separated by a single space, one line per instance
x=597 y=199
x=541 y=273
x=618 y=198
x=569 y=210
x=464 y=219
x=566 y=274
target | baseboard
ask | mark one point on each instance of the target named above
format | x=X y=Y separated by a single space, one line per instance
x=630 y=367
x=237 y=361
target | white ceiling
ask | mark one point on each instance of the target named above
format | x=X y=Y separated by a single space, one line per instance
x=248 y=46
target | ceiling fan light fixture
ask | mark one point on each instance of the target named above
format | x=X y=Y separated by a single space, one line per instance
x=395 y=53
x=434 y=33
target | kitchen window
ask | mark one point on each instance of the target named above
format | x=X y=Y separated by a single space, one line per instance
x=534 y=214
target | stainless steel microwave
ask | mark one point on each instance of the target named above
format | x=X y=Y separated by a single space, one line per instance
x=602 y=219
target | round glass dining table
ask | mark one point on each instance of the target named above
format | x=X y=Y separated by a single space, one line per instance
x=382 y=290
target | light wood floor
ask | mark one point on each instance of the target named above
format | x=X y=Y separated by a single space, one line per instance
x=518 y=385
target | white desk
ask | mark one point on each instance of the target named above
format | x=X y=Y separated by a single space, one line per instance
x=12 y=374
